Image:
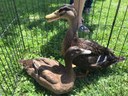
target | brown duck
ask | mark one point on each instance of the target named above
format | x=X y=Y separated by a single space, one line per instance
x=100 y=57
x=51 y=74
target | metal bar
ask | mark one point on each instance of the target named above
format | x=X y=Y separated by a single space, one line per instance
x=8 y=4
x=5 y=55
x=123 y=44
x=45 y=27
x=125 y=35
x=38 y=11
x=93 y=12
x=99 y=17
x=14 y=26
x=106 y=20
x=118 y=6
x=18 y=20
x=120 y=27
x=2 y=90
x=4 y=76
x=9 y=8
x=10 y=59
x=12 y=51
x=9 y=67
x=32 y=3
x=4 y=7
x=12 y=46
x=8 y=88
x=54 y=33
x=6 y=30
x=26 y=7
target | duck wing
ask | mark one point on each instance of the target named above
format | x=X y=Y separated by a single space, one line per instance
x=55 y=66
x=47 y=61
x=49 y=69
x=95 y=48
x=84 y=61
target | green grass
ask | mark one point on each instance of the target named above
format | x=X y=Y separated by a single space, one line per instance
x=44 y=39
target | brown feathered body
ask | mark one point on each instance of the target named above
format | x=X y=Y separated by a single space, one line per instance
x=100 y=57
x=51 y=74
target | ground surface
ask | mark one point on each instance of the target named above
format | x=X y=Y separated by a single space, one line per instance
x=44 y=39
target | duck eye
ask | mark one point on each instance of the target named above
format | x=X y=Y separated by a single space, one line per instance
x=77 y=51
x=72 y=54
x=64 y=9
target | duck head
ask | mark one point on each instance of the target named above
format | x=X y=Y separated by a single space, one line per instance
x=65 y=12
x=75 y=51
x=71 y=53
x=69 y=13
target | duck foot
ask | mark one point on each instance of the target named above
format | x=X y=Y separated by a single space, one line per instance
x=81 y=75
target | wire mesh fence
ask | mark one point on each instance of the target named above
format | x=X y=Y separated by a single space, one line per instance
x=25 y=34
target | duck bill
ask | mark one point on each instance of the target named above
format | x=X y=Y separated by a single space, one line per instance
x=84 y=51
x=52 y=17
x=120 y=59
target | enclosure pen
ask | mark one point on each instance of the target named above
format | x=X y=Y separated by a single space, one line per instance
x=24 y=34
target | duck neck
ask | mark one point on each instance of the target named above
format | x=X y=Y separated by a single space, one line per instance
x=73 y=25
x=68 y=66
x=70 y=34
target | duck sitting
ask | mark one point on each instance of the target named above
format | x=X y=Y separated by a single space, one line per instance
x=51 y=74
x=101 y=57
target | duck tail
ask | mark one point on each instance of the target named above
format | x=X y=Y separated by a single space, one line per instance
x=26 y=63
x=121 y=58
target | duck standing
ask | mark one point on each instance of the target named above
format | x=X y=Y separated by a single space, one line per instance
x=100 y=57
